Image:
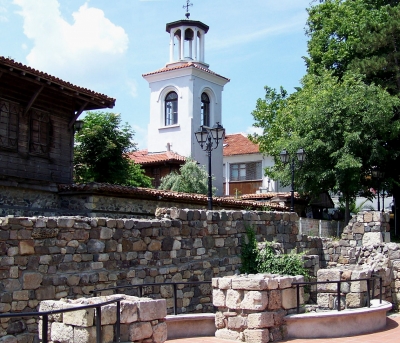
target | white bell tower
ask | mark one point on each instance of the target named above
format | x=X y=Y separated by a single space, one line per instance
x=184 y=95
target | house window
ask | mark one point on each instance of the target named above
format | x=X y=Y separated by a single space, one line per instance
x=205 y=110
x=171 y=109
x=245 y=171
x=40 y=132
x=9 y=114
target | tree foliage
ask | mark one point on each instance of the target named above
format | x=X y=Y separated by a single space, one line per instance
x=345 y=115
x=191 y=178
x=101 y=149
x=343 y=125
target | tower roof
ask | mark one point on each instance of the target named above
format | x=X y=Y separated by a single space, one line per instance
x=186 y=22
x=183 y=66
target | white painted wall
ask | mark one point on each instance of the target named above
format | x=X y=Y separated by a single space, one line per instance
x=267 y=161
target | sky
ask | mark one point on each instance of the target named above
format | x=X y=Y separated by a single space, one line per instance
x=106 y=46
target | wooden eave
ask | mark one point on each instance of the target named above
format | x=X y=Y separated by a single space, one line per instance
x=23 y=78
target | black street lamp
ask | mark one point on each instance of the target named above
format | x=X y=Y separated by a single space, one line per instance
x=377 y=174
x=209 y=139
x=285 y=159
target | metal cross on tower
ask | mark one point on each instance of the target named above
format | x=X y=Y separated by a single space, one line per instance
x=188 y=4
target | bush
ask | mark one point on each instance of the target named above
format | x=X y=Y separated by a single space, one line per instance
x=267 y=260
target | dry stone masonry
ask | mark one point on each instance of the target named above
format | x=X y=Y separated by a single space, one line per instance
x=52 y=258
x=251 y=308
x=142 y=320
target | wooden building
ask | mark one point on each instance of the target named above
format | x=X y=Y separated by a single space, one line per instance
x=158 y=165
x=37 y=116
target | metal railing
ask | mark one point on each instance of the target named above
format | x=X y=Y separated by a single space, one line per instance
x=338 y=292
x=140 y=289
x=45 y=318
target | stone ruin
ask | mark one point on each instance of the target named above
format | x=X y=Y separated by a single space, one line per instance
x=142 y=320
x=251 y=308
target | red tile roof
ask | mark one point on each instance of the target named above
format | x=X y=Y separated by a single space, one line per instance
x=269 y=195
x=12 y=66
x=239 y=144
x=156 y=194
x=144 y=157
x=182 y=66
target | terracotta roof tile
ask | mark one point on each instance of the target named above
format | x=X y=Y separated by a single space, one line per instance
x=239 y=144
x=150 y=193
x=182 y=66
x=144 y=157
x=269 y=195
x=11 y=65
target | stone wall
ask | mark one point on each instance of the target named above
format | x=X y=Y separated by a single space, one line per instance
x=360 y=253
x=252 y=308
x=68 y=257
x=59 y=257
x=140 y=319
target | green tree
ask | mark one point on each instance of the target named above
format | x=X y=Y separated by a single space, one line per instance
x=356 y=35
x=361 y=36
x=343 y=126
x=100 y=152
x=191 y=178
x=346 y=115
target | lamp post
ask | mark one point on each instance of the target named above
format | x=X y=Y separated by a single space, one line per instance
x=209 y=139
x=285 y=159
x=377 y=174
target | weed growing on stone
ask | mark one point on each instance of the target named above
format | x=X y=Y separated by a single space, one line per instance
x=267 y=260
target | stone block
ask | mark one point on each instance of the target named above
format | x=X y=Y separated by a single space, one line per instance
x=26 y=247
x=255 y=283
x=256 y=336
x=371 y=238
x=106 y=233
x=233 y=299
x=80 y=317
x=328 y=275
x=65 y=222
x=289 y=298
x=355 y=300
x=284 y=281
x=109 y=314
x=237 y=323
x=260 y=320
x=219 y=320
x=140 y=331
x=275 y=300
x=160 y=332
x=359 y=286
x=8 y=339
x=152 y=309
x=31 y=280
x=62 y=333
x=226 y=283
x=254 y=300
x=323 y=300
x=128 y=312
x=218 y=298
x=228 y=334
x=53 y=305
x=85 y=334
x=45 y=293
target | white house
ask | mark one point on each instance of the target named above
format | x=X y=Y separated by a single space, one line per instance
x=244 y=168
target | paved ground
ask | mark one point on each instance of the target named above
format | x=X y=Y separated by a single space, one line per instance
x=391 y=334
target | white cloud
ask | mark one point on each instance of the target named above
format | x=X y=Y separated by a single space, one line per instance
x=251 y=129
x=91 y=45
x=3 y=13
x=236 y=40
